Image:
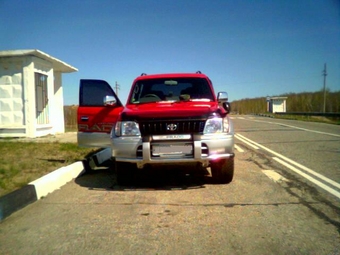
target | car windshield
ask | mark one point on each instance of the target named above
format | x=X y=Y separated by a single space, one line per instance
x=170 y=90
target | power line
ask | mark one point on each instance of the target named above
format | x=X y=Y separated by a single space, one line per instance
x=324 y=73
x=117 y=87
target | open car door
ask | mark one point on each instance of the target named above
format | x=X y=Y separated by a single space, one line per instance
x=95 y=117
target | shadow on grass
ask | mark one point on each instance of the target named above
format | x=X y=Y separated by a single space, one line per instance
x=86 y=159
x=62 y=161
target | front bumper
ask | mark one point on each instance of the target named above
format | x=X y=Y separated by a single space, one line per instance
x=205 y=148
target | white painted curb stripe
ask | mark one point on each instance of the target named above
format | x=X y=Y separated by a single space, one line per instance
x=57 y=178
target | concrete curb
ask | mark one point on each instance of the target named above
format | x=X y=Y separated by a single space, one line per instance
x=39 y=188
x=56 y=179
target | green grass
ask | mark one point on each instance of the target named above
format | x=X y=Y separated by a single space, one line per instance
x=71 y=128
x=23 y=162
x=309 y=118
x=335 y=121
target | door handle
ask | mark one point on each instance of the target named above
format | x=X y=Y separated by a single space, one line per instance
x=84 y=118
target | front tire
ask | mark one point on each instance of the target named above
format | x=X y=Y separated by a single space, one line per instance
x=222 y=171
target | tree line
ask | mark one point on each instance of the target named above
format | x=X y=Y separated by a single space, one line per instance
x=296 y=102
x=70 y=117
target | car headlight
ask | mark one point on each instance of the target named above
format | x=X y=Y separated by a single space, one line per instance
x=127 y=128
x=216 y=125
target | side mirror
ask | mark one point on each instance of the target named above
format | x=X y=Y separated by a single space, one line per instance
x=226 y=106
x=222 y=98
x=109 y=100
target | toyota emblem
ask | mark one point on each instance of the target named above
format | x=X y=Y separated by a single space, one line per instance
x=171 y=127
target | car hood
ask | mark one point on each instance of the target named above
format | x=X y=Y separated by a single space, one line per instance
x=159 y=110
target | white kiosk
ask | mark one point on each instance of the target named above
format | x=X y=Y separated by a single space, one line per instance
x=31 y=93
x=276 y=104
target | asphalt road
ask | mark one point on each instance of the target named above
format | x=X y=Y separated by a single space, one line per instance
x=312 y=147
x=267 y=209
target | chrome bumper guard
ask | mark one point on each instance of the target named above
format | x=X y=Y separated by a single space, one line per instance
x=197 y=157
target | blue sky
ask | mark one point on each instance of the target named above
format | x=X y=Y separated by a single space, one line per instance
x=248 y=48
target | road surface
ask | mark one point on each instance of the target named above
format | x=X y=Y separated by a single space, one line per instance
x=268 y=208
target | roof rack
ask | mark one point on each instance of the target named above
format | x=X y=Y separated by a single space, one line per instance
x=143 y=74
x=199 y=72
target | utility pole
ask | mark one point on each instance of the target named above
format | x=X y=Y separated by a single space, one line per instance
x=117 y=87
x=324 y=73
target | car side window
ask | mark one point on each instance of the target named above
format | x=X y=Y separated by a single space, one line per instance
x=93 y=92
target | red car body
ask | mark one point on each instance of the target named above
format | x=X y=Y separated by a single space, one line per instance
x=168 y=119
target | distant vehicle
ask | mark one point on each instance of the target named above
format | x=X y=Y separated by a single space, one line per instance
x=168 y=119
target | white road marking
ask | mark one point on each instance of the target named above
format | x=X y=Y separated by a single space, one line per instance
x=241 y=138
x=311 y=179
x=283 y=160
x=335 y=184
x=238 y=148
x=276 y=177
x=303 y=129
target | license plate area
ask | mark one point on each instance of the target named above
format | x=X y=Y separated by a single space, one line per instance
x=173 y=150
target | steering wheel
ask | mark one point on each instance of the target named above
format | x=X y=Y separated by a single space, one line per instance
x=152 y=95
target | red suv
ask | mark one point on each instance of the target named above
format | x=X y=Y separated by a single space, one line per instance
x=168 y=119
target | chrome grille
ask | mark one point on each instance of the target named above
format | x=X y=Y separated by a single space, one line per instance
x=171 y=127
